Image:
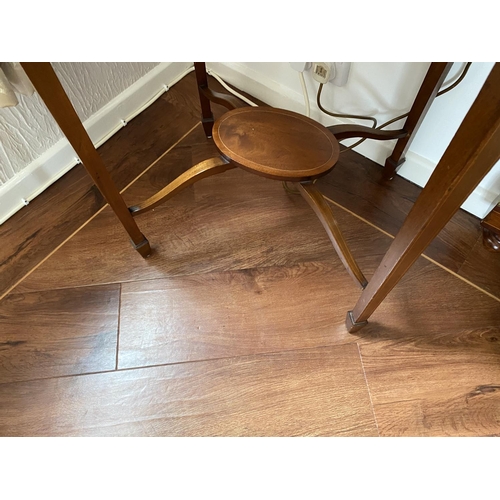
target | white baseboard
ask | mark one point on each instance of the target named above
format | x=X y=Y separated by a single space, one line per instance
x=260 y=86
x=416 y=168
x=60 y=158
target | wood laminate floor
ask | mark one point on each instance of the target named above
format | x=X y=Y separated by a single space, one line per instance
x=235 y=325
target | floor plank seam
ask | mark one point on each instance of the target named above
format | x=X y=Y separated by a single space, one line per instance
x=176 y=363
x=151 y=279
x=118 y=326
x=368 y=388
x=160 y=157
x=478 y=241
x=32 y=270
x=94 y=215
x=421 y=255
x=165 y=153
x=56 y=377
x=176 y=276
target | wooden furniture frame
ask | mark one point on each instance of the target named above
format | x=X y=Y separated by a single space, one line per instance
x=286 y=146
x=48 y=86
x=433 y=81
x=471 y=154
x=491 y=229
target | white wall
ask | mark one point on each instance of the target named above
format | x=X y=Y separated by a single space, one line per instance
x=383 y=90
x=28 y=130
x=33 y=151
x=439 y=127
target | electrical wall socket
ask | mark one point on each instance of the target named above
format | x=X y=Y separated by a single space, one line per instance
x=337 y=72
x=322 y=72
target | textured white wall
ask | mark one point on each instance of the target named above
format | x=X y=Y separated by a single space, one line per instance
x=28 y=130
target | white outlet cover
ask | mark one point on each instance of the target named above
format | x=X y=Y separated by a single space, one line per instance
x=327 y=77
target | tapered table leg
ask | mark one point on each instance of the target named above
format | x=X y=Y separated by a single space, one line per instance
x=433 y=80
x=321 y=208
x=472 y=152
x=49 y=88
x=207 y=118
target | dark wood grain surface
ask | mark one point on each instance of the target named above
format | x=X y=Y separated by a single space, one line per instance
x=437 y=381
x=276 y=143
x=447 y=387
x=232 y=221
x=319 y=392
x=244 y=290
x=215 y=315
x=482 y=267
x=32 y=233
x=491 y=229
x=471 y=154
x=358 y=184
x=58 y=332
x=431 y=348
x=492 y=219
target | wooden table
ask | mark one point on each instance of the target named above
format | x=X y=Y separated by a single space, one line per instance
x=472 y=152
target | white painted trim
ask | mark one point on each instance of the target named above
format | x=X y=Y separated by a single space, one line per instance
x=416 y=168
x=61 y=158
x=259 y=85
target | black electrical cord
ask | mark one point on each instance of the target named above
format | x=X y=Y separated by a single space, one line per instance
x=460 y=78
x=341 y=115
x=362 y=117
x=400 y=117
